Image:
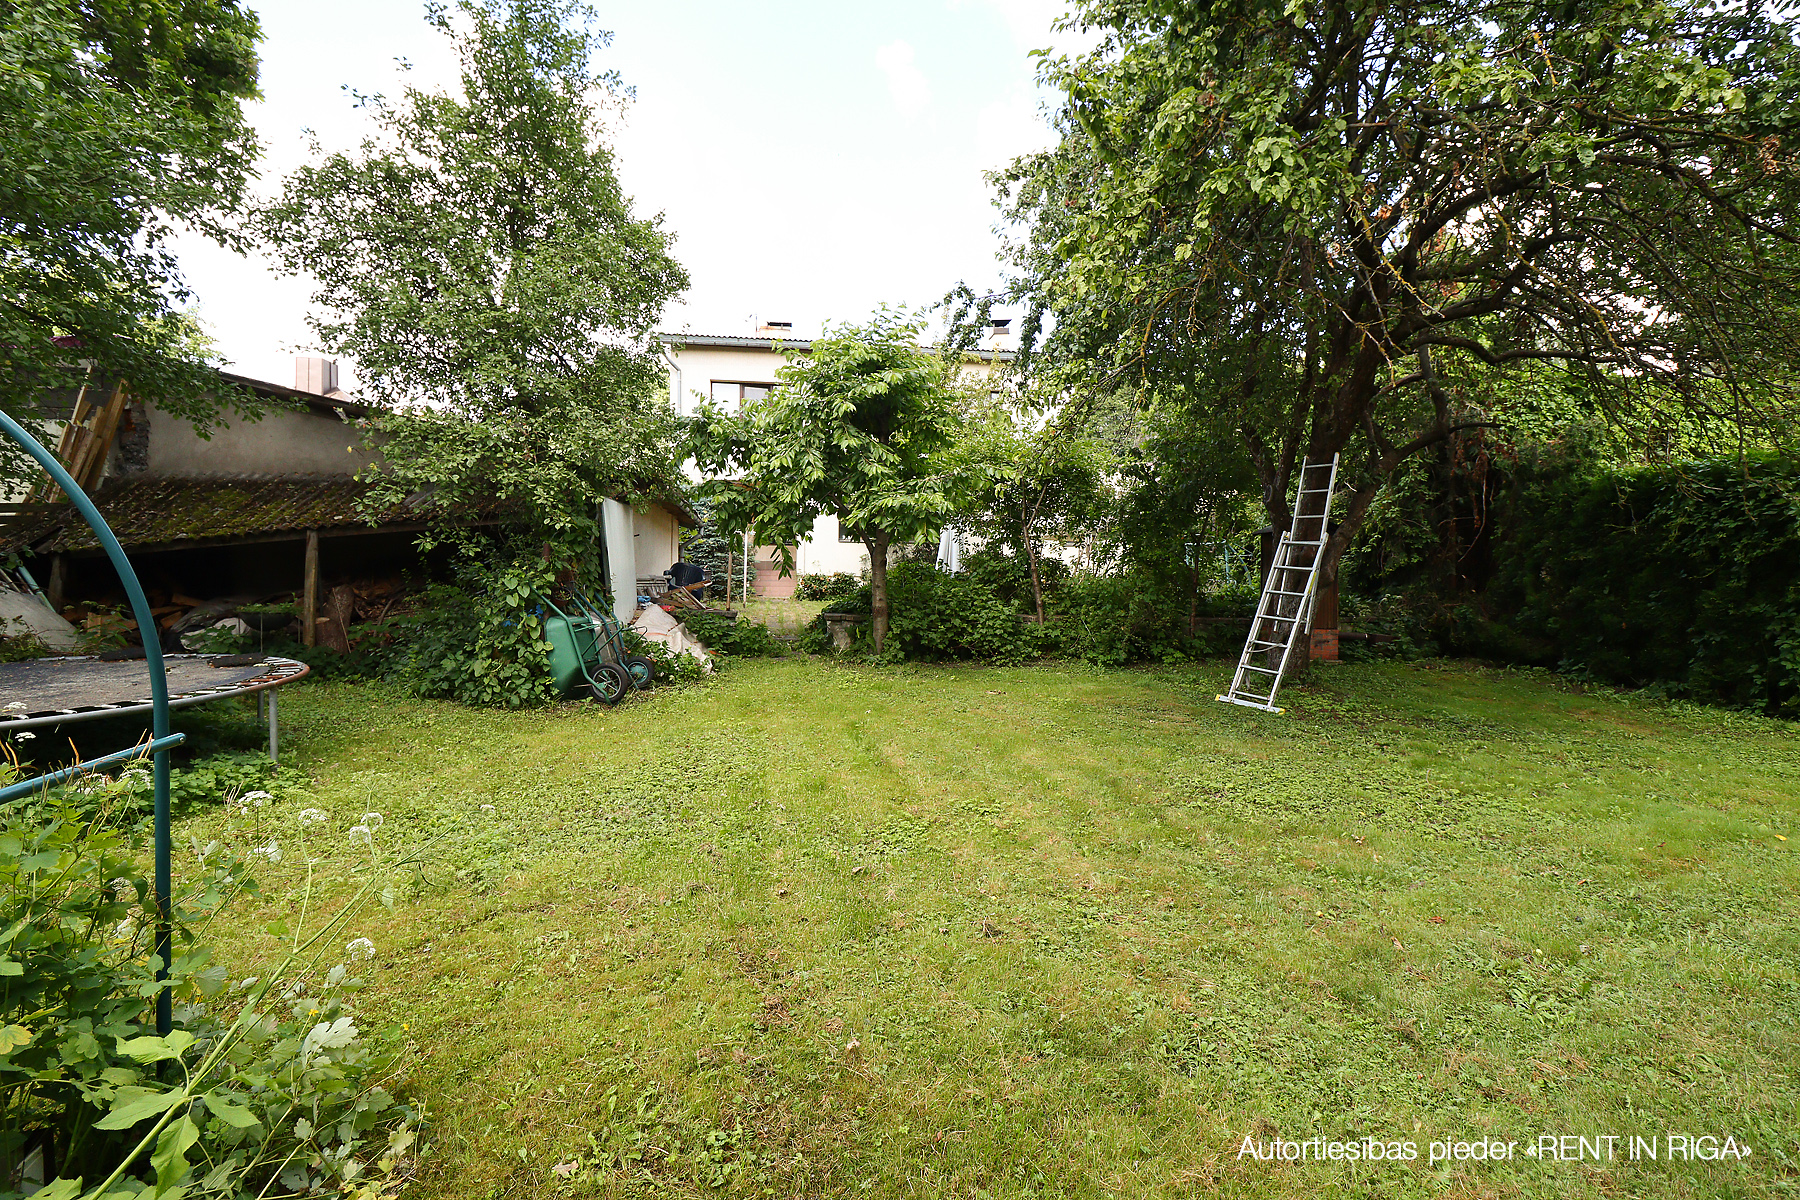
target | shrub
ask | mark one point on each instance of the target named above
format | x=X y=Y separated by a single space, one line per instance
x=839 y=586
x=981 y=614
x=1112 y=620
x=479 y=641
x=272 y=1081
x=1686 y=576
x=670 y=666
x=20 y=644
x=940 y=617
x=740 y=638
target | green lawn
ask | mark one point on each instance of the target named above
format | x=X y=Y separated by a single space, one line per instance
x=816 y=930
x=784 y=618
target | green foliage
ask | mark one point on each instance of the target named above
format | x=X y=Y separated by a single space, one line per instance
x=1045 y=484
x=227 y=779
x=1112 y=620
x=740 y=638
x=670 y=666
x=866 y=426
x=479 y=641
x=941 y=617
x=273 y=1079
x=840 y=585
x=983 y=614
x=122 y=123
x=1687 y=577
x=1319 y=229
x=20 y=645
x=479 y=261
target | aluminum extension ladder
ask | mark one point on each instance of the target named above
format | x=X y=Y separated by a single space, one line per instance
x=1284 y=614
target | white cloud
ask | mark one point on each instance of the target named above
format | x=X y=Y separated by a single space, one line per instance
x=1029 y=22
x=906 y=83
x=1015 y=124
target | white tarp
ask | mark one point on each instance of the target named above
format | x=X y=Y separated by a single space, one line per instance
x=23 y=612
x=658 y=626
x=949 y=555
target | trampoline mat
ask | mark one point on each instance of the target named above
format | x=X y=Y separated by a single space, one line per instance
x=50 y=691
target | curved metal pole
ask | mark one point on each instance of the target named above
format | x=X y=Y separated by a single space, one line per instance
x=159 y=692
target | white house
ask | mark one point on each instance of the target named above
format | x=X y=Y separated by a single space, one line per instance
x=729 y=370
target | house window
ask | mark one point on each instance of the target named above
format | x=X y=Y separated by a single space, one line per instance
x=848 y=535
x=728 y=394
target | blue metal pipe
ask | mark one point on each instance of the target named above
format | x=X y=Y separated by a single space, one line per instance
x=41 y=782
x=159 y=694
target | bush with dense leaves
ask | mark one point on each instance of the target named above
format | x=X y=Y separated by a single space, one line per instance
x=1686 y=577
x=740 y=638
x=839 y=586
x=478 y=641
x=1112 y=620
x=981 y=613
x=671 y=667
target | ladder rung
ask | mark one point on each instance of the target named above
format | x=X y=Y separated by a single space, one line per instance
x=1260 y=670
x=1279 y=592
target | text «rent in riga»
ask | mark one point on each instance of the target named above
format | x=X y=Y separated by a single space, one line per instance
x=1605 y=1147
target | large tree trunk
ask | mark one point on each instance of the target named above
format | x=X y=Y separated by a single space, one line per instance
x=1037 y=585
x=878 y=594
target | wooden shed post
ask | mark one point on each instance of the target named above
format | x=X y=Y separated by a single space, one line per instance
x=309 y=601
x=59 y=582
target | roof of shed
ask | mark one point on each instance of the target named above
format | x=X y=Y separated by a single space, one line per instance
x=175 y=512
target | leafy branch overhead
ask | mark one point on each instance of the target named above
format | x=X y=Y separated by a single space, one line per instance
x=123 y=124
x=480 y=262
x=1330 y=223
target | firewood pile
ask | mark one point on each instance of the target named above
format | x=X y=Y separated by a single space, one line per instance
x=341 y=607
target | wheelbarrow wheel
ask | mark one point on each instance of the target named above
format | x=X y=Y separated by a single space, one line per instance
x=641 y=670
x=610 y=683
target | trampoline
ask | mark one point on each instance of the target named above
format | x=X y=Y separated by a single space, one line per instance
x=55 y=691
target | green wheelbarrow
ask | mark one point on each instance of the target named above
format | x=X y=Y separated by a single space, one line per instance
x=588 y=646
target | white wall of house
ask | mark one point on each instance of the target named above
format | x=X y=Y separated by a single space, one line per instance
x=697 y=369
x=708 y=369
x=824 y=554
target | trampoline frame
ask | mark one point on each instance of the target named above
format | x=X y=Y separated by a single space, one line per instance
x=281 y=670
x=161 y=739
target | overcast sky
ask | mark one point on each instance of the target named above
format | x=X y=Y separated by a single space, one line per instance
x=814 y=159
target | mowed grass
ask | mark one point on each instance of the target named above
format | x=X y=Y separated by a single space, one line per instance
x=821 y=930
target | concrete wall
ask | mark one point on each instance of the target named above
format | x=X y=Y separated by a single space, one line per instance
x=616 y=520
x=283 y=442
x=657 y=534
